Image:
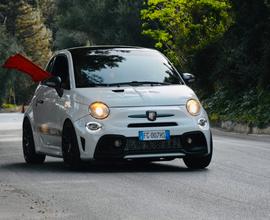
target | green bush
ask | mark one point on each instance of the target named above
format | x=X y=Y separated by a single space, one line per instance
x=249 y=107
x=8 y=106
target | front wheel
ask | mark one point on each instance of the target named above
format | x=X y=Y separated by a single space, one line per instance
x=29 y=152
x=70 y=147
x=199 y=162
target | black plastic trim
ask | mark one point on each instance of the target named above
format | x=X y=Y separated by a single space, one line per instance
x=105 y=148
x=145 y=116
x=148 y=125
x=83 y=143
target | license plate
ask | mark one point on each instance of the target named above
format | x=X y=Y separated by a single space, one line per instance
x=154 y=135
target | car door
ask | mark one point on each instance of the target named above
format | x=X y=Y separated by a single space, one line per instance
x=41 y=109
x=50 y=106
x=59 y=105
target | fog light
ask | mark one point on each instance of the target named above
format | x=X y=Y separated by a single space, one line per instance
x=202 y=122
x=93 y=126
x=189 y=140
x=117 y=143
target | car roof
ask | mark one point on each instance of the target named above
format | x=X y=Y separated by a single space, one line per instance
x=97 y=47
x=103 y=47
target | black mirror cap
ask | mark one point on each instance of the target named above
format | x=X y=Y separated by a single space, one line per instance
x=53 y=82
x=188 y=77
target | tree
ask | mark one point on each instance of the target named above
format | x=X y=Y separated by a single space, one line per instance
x=48 y=11
x=236 y=68
x=8 y=46
x=33 y=35
x=182 y=27
x=84 y=22
x=242 y=56
x=8 y=14
x=22 y=30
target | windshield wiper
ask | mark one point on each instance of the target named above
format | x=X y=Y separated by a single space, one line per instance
x=138 y=83
x=98 y=85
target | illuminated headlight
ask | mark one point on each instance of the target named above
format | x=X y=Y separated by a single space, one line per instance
x=193 y=107
x=99 y=110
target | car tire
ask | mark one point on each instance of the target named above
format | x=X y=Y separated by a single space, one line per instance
x=29 y=151
x=70 y=147
x=195 y=162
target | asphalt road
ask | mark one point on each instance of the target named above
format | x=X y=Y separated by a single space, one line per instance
x=235 y=186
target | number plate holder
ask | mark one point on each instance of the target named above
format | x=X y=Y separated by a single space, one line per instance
x=154 y=135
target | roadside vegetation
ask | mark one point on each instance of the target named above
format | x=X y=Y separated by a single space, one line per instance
x=225 y=43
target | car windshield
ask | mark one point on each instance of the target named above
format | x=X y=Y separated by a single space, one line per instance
x=122 y=67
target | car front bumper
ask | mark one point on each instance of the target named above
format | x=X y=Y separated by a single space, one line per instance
x=118 y=137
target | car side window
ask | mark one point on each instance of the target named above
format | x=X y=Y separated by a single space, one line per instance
x=50 y=66
x=60 y=68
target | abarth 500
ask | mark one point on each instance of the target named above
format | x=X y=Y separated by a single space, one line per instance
x=116 y=102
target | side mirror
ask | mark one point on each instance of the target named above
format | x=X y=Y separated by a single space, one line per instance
x=54 y=82
x=188 y=77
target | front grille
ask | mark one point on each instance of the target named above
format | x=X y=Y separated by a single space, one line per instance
x=145 y=116
x=134 y=145
x=148 y=125
x=106 y=148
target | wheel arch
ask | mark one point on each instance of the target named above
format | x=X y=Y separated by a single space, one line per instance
x=30 y=151
x=69 y=124
x=66 y=122
x=26 y=119
x=69 y=121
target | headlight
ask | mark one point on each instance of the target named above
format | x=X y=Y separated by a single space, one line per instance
x=99 y=110
x=193 y=107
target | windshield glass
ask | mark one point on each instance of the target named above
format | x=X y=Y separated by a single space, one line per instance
x=122 y=67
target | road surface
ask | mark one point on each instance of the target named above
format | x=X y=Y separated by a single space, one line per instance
x=235 y=186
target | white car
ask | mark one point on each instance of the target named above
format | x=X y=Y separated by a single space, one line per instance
x=116 y=102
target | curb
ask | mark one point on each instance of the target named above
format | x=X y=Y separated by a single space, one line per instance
x=251 y=137
x=241 y=128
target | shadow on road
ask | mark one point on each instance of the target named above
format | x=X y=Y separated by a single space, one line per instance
x=123 y=167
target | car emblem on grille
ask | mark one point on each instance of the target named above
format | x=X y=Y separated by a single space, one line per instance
x=151 y=115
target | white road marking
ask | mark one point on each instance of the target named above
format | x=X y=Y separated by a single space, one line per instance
x=10 y=139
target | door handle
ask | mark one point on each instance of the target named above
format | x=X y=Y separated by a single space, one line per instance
x=39 y=101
